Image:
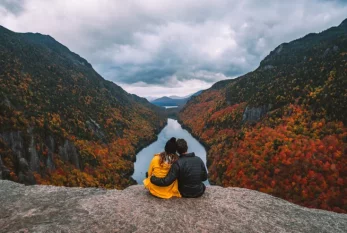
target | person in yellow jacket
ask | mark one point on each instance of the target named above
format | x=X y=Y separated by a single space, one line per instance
x=159 y=167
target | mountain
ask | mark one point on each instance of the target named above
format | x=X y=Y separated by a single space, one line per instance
x=167 y=101
x=174 y=100
x=61 y=123
x=176 y=97
x=57 y=209
x=281 y=129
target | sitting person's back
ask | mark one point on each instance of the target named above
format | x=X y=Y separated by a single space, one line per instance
x=191 y=173
x=159 y=167
x=189 y=170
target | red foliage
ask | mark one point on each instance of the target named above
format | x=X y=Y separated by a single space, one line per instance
x=294 y=156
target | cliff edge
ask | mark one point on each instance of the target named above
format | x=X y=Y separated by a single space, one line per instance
x=60 y=209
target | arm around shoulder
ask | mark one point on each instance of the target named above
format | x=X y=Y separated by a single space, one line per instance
x=169 y=178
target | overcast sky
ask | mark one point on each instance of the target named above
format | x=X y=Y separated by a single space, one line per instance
x=171 y=47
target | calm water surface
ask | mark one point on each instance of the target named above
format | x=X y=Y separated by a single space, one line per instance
x=173 y=129
x=170 y=107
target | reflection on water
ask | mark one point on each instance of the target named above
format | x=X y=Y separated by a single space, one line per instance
x=170 y=107
x=173 y=129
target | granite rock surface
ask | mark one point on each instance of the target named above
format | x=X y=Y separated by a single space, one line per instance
x=60 y=209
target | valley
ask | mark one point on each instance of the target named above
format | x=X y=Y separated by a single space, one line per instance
x=280 y=129
x=172 y=129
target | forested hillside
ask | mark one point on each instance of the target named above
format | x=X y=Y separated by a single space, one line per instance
x=61 y=123
x=281 y=129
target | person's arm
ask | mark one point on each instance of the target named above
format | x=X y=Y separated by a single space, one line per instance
x=169 y=178
x=203 y=172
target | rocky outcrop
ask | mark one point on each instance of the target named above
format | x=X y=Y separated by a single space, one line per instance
x=69 y=153
x=50 y=143
x=328 y=51
x=61 y=209
x=268 y=67
x=33 y=156
x=15 y=141
x=256 y=113
x=4 y=171
x=96 y=129
x=28 y=160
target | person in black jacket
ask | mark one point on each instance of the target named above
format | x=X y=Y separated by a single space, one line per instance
x=190 y=171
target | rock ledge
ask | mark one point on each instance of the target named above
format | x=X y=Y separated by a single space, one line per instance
x=60 y=209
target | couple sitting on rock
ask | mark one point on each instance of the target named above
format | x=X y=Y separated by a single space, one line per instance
x=170 y=175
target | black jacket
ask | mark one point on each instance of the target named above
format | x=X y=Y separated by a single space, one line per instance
x=190 y=171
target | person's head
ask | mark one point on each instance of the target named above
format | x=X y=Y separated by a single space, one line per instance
x=170 y=146
x=170 y=155
x=182 y=146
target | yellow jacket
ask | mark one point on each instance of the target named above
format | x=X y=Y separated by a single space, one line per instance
x=160 y=171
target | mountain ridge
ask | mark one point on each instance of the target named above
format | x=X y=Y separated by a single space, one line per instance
x=177 y=101
x=281 y=129
x=61 y=122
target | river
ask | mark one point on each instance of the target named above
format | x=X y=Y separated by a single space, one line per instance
x=172 y=129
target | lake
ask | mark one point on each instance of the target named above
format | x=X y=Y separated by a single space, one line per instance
x=167 y=107
x=172 y=129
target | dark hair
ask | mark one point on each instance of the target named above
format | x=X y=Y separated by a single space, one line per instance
x=170 y=146
x=182 y=146
x=169 y=155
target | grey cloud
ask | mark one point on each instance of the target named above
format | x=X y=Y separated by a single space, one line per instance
x=13 y=6
x=149 y=75
x=163 y=41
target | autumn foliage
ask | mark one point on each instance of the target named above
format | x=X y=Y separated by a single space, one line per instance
x=297 y=150
x=52 y=97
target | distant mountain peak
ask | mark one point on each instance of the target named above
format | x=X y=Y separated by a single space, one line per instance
x=174 y=100
x=177 y=97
